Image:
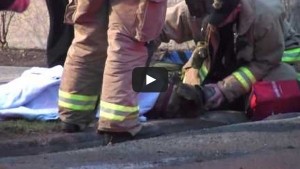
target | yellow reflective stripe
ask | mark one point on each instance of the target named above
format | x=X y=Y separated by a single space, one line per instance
x=75 y=107
x=241 y=79
x=115 y=117
x=245 y=77
x=203 y=72
x=121 y=113
x=290 y=58
x=184 y=79
x=76 y=102
x=292 y=55
x=292 y=51
x=249 y=74
x=116 y=107
x=77 y=96
x=111 y=116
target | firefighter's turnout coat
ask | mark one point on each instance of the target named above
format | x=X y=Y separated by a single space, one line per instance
x=259 y=44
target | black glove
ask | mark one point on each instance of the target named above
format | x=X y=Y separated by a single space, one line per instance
x=198 y=8
x=191 y=100
x=208 y=92
x=180 y=101
x=199 y=54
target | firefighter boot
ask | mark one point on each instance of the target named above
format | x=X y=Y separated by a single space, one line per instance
x=147 y=131
x=69 y=128
x=72 y=128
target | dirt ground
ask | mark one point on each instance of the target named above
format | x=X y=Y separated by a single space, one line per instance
x=12 y=129
x=22 y=57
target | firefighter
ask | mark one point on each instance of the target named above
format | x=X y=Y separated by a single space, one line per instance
x=245 y=43
x=126 y=27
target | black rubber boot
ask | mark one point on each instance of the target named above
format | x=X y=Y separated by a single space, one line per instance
x=147 y=131
x=113 y=137
x=70 y=128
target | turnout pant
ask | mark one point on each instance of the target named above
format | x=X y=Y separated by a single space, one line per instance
x=126 y=27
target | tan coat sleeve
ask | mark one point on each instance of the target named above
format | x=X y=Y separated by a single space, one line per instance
x=268 y=47
x=291 y=37
x=180 y=26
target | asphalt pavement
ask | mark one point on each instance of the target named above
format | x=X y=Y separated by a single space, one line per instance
x=271 y=144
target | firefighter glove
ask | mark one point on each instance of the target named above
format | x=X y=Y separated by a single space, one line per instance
x=213 y=96
x=199 y=55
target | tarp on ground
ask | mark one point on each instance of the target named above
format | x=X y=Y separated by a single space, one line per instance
x=34 y=96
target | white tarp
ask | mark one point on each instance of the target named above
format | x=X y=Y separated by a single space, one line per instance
x=34 y=96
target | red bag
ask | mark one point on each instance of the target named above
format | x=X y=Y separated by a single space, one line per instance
x=275 y=97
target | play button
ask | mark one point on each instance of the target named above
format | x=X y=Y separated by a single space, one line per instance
x=149 y=79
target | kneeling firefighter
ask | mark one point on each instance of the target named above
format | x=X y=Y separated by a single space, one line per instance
x=244 y=43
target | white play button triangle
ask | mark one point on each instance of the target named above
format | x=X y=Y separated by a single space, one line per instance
x=149 y=79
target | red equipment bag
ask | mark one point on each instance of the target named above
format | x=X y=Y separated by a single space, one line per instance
x=274 y=97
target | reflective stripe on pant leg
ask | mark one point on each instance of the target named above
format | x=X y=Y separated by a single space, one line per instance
x=81 y=80
x=132 y=24
x=118 y=112
x=245 y=77
x=291 y=55
x=77 y=102
x=119 y=105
